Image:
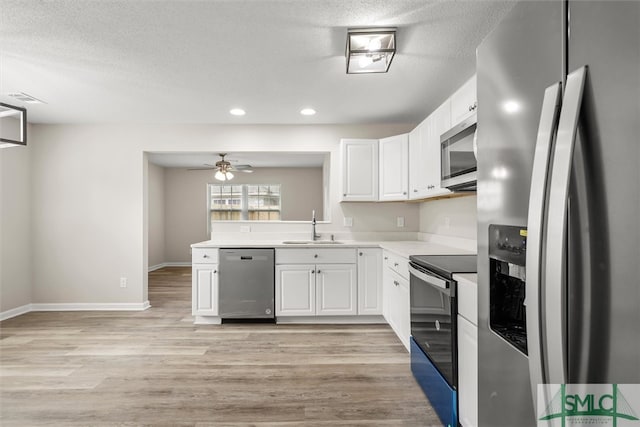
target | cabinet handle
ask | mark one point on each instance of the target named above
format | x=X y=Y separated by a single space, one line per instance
x=315 y=256
x=313 y=272
x=404 y=193
x=344 y=195
x=415 y=191
x=215 y=271
x=360 y=253
x=205 y=256
x=386 y=258
x=395 y=264
x=395 y=282
x=319 y=271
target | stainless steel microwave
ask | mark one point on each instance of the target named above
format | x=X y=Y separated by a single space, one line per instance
x=458 y=156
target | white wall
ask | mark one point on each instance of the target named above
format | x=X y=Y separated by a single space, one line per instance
x=156 y=203
x=15 y=235
x=450 y=217
x=90 y=197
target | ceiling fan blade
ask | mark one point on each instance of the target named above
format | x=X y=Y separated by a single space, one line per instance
x=240 y=167
x=202 y=168
x=246 y=170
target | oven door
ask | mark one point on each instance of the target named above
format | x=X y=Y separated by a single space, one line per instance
x=433 y=320
x=433 y=341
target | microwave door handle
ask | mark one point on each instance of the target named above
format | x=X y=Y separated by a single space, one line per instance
x=556 y=229
x=539 y=180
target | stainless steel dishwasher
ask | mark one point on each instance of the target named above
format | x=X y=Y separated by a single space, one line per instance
x=246 y=283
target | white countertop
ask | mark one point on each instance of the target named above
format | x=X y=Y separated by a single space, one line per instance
x=471 y=279
x=402 y=248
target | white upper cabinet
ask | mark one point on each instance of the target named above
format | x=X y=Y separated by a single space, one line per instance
x=394 y=168
x=464 y=102
x=424 y=150
x=418 y=161
x=439 y=123
x=359 y=170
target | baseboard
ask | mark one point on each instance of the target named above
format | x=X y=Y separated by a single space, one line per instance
x=169 y=264
x=27 y=308
x=89 y=306
x=8 y=314
x=331 y=320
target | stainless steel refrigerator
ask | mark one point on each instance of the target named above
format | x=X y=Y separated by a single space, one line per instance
x=558 y=203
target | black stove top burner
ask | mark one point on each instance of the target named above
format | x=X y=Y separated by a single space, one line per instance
x=447 y=265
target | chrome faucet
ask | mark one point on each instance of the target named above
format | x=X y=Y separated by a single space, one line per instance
x=314 y=235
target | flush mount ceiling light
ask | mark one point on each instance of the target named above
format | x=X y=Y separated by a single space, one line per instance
x=21 y=96
x=237 y=112
x=307 y=111
x=370 y=50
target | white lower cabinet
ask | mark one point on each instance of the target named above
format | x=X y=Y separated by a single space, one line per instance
x=399 y=316
x=204 y=290
x=467 y=372
x=316 y=290
x=295 y=290
x=396 y=297
x=336 y=290
x=370 y=281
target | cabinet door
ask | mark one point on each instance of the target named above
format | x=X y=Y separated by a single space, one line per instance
x=467 y=372
x=359 y=170
x=399 y=317
x=369 y=281
x=438 y=123
x=419 y=160
x=336 y=289
x=394 y=168
x=464 y=101
x=204 y=287
x=295 y=290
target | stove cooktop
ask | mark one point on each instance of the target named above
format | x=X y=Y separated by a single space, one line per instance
x=447 y=265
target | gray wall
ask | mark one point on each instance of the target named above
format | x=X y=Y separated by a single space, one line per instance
x=16 y=263
x=186 y=202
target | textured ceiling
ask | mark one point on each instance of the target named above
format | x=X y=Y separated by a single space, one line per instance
x=191 y=61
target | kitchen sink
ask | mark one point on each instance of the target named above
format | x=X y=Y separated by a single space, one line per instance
x=311 y=242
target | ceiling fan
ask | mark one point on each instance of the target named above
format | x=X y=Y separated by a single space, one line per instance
x=224 y=168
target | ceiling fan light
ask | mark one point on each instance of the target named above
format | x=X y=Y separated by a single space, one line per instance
x=220 y=176
x=229 y=175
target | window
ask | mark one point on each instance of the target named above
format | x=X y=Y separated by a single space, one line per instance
x=244 y=202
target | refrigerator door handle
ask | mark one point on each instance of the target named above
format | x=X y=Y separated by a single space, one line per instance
x=556 y=231
x=535 y=225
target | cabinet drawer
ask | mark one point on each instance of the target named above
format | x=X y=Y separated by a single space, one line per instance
x=397 y=263
x=204 y=255
x=315 y=256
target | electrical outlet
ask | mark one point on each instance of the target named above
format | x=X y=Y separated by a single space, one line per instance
x=123 y=282
x=348 y=221
x=400 y=221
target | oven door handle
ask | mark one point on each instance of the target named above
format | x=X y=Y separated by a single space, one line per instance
x=432 y=280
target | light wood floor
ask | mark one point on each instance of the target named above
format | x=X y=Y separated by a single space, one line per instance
x=156 y=368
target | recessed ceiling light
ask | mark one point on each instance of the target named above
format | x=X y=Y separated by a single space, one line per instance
x=307 y=111
x=237 y=112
